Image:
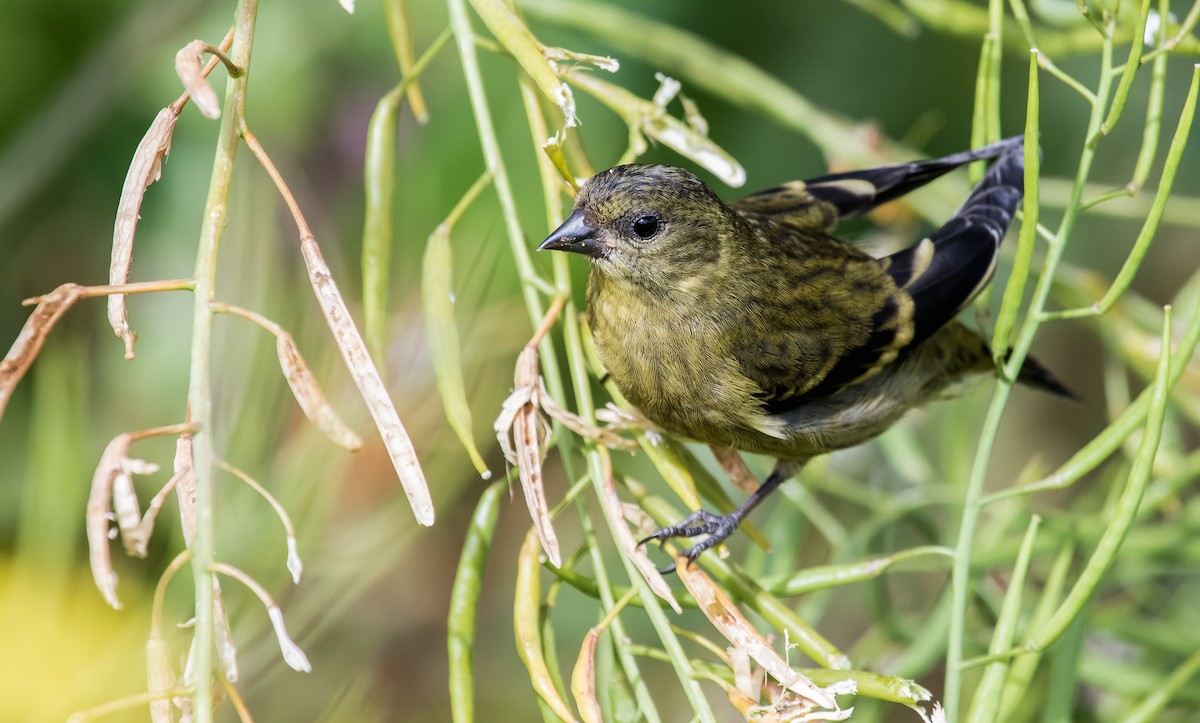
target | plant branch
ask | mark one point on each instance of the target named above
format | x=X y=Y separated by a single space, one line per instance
x=200 y=402
x=354 y=350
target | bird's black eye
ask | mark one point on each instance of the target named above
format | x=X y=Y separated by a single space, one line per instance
x=645 y=227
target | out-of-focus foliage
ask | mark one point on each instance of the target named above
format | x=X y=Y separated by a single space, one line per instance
x=84 y=80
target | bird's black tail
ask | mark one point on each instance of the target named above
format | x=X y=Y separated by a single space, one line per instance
x=1039 y=377
x=946 y=270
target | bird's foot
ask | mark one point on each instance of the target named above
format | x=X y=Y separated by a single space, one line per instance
x=700 y=522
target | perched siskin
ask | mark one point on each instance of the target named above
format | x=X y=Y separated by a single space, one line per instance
x=748 y=326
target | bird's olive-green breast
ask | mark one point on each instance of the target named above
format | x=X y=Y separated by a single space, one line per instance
x=704 y=315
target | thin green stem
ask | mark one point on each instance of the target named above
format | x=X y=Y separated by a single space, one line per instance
x=1107 y=441
x=379 y=185
x=1105 y=197
x=1014 y=291
x=1021 y=15
x=641 y=690
x=396 y=13
x=973 y=499
x=1142 y=244
x=990 y=690
x=1022 y=668
x=1183 y=33
x=1150 y=708
x=1131 y=65
x=1044 y=61
x=460 y=23
x=1125 y=511
x=464 y=602
x=986 y=75
x=996 y=31
x=200 y=405
x=1154 y=107
x=1183 y=211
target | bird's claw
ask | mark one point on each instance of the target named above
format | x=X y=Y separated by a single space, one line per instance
x=685 y=528
x=717 y=527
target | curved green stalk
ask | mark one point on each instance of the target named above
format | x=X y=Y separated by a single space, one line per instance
x=1152 y=706
x=989 y=693
x=464 y=36
x=1124 y=512
x=200 y=386
x=1014 y=291
x=973 y=498
x=1150 y=226
x=1154 y=107
x=379 y=187
x=464 y=600
x=441 y=326
x=1131 y=65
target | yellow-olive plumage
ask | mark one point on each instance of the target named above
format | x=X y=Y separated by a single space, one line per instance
x=748 y=326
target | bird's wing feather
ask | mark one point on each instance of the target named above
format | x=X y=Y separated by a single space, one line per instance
x=947 y=270
x=821 y=203
x=927 y=284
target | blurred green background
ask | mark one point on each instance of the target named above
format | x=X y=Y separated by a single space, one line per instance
x=82 y=82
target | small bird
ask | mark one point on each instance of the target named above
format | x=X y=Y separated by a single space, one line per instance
x=748 y=326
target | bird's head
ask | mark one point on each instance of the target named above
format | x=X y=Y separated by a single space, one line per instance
x=645 y=224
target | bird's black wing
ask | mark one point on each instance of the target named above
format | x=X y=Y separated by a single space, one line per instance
x=821 y=203
x=949 y=268
x=932 y=280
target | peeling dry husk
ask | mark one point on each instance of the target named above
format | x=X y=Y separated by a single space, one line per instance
x=185 y=487
x=687 y=137
x=531 y=54
x=366 y=377
x=601 y=62
x=583 y=676
x=98 y=516
x=526 y=447
x=614 y=513
x=309 y=395
x=134 y=535
x=602 y=436
x=736 y=468
x=730 y=622
x=144 y=169
x=141 y=536
x=112 y=486
x=50 y=307
x=189 y=66
x=524 y=436
x=744 y=678
x=223 y=634
x=160 y=678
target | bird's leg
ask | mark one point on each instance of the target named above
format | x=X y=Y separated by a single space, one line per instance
x=720 y=527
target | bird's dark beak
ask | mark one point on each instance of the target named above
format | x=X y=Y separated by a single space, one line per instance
x=574 y=235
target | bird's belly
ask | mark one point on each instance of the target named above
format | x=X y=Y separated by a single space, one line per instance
x=689 y=391
x=680 y=378
x=863 y=411
x=689 y=385
x=683 y=376
x=846 y=419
